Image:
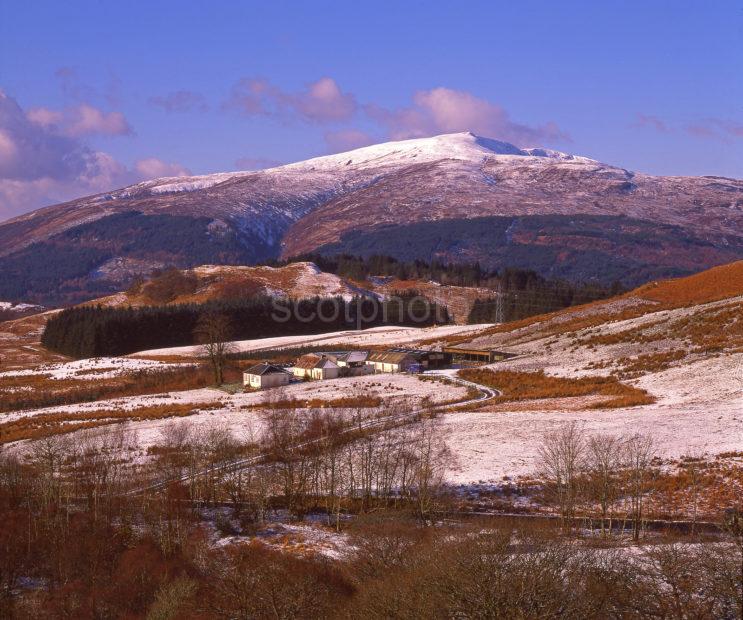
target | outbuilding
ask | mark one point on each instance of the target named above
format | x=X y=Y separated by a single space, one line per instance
x=350 y=363
x=315 y=366
x=265 y=376
x=391 y=361
x=486 y=356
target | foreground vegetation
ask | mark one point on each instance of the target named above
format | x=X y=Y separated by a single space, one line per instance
x=77 y=538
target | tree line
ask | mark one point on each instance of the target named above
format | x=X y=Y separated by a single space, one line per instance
x=524 y=291
x=91 y=331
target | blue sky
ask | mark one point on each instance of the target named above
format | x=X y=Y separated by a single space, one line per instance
x=99 y=94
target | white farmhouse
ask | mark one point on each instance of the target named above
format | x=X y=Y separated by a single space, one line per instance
x=265 y=376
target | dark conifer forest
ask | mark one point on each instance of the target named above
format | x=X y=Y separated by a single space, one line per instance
x=91 y=331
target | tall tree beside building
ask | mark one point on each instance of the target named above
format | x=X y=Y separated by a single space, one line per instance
x=213 y=332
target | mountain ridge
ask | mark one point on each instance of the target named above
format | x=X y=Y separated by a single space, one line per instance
x=252 y=216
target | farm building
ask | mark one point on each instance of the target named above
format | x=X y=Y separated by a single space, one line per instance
x=427 y=359
x=401 y=359
x=477 y=355
x=315 y=366
x=350 y=359
x=391 y=361
x=351 y=363
x=265 y=376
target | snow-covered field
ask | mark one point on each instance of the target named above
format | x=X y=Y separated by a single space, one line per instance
x=699 y=408
x=93 y=368
x=491 y=445
x=561 y=354
x=384 y=335
x=239 y=412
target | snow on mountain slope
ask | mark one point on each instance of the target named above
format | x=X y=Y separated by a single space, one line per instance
x=464 y=147
x=283 y=193
x=248 y=217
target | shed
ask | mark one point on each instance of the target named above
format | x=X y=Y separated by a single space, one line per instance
x=477 y=355
x=391 y=361
x=427 y=358
x=265 y=376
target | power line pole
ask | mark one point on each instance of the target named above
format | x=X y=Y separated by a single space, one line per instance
x=499 y=313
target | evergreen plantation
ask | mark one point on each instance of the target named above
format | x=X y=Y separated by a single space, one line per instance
x=90 y=331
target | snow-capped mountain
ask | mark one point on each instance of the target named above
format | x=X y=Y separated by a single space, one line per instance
x=456 y=197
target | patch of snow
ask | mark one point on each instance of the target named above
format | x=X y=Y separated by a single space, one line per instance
x=8 y=305
x=93 y=368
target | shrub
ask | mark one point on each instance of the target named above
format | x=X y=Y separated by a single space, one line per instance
x=517 y=386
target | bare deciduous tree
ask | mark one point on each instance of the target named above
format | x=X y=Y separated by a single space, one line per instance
x=603 y=462
x=213 y=332
x=639 y=451
x=562 y=460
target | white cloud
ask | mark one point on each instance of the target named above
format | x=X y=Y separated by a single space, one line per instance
x=43 y=160
x=152 y=168
x=435 y=111
x=444 y=110
x=81 y=120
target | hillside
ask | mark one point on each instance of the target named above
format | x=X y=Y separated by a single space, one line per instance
x=209 y=282
x=10 y=311
x=298 y=280
x=455 y=197
x=680 y=340
x=687 y=331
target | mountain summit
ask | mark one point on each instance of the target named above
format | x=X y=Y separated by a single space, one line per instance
x=455 y=197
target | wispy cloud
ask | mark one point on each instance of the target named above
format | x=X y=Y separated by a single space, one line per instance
x=180 y=101
x=435 y=111
x=321 y=101
x=81 y=120
x=650 y=121
x=445 y=110
x=723 y=129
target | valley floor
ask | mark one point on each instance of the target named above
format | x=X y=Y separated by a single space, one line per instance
x=675 y=354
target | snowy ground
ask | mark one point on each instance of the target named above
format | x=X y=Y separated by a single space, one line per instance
x=385 y=335
x=93 y=368
x=699 y=408
x=238 y=411
x=561 y=354
x=297 y=538
x=491 y=445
